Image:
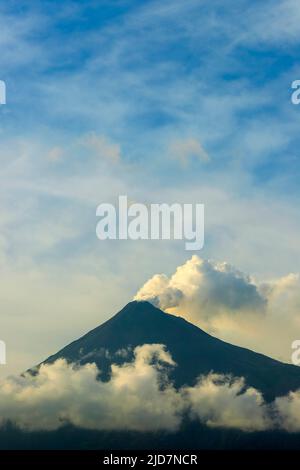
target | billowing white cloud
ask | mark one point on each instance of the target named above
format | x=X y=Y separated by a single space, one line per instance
x=139 y=397
x=221 y=401
x=230 y=304
x=287 y=410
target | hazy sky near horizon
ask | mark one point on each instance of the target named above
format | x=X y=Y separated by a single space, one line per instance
x=173 y=101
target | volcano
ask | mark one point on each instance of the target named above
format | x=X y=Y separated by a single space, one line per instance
x=194 y=351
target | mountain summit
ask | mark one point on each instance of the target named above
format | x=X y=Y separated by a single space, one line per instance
x=194 y=351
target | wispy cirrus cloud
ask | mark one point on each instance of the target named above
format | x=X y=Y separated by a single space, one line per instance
x=139 y=76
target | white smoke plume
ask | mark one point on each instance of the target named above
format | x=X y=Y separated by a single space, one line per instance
x=230 y=304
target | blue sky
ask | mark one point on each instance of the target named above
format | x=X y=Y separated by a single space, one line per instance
x=100 y=96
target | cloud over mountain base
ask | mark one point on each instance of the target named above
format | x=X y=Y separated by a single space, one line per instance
x=139 y=397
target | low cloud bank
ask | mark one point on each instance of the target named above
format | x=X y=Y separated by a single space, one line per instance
x=139 y=397
x=221 y=401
